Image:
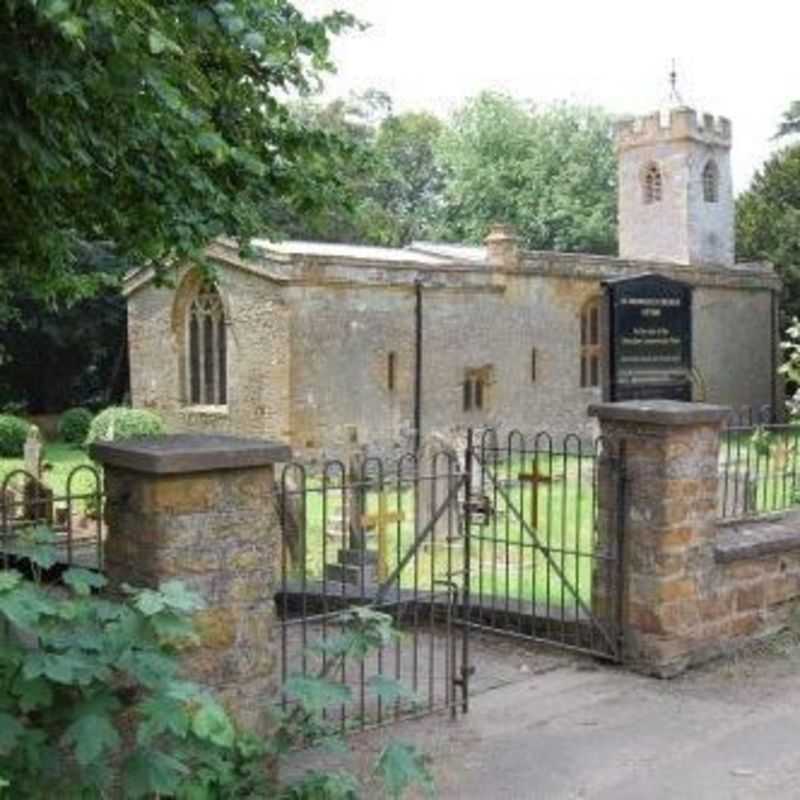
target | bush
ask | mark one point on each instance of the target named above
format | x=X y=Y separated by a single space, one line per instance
x=124 y=423
x=13 y=432
x=93 y=702
x=73 y=427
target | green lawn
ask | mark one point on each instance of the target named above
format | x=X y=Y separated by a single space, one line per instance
x=63 y=459
x=505 y=562
x=760 y=471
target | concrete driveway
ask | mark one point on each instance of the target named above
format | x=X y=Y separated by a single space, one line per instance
x=570 y=729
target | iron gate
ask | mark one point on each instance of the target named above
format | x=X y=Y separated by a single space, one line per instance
x=505 y=538
x=544 y=562
x=387 y=536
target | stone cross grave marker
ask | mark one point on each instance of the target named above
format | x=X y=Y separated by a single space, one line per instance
x=536 y=479
x=356 y=564
x=380 y=522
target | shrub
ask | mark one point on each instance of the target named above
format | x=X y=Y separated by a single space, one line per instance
x=13 y=432
x=93 y=703
x=73 y=427
x=124 y=423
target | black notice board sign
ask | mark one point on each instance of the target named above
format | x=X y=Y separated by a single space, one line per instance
x=650 y=338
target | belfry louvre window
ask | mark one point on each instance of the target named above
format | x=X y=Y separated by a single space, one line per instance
x=711 y=182
x=590 y=344
x=206 y=353
x=652 y=185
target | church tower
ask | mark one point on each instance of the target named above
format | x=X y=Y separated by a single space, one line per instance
x=675 y=188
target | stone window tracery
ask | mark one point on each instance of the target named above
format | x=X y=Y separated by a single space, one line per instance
x=206 y=350
x=590 y=344
x=711 y=182
x=652 y=184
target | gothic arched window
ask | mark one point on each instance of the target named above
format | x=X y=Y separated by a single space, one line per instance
x=206 y=350
x=590 y=343
x=711 y=182
x=652 y=184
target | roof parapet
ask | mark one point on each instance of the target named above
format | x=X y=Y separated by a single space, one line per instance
x=683 y=123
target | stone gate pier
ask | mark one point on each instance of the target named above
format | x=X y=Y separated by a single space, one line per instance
x=692 y=587
x=200 y=509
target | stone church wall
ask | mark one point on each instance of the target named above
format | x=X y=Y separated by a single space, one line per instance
x=308 y=360
x=258 y=357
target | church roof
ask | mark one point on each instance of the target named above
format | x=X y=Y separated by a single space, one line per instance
x=419 y=252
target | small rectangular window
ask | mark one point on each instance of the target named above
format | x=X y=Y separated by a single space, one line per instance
x=390 y=371
x=467 y=395
x=533 y=365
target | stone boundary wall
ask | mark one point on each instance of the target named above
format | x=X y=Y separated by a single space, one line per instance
x=693 y=588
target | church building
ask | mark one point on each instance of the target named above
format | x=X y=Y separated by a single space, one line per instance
x=307 y=342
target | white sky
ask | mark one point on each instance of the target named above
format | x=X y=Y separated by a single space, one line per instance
x=737 y=58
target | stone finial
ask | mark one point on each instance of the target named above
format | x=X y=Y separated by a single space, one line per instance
x=502 y=247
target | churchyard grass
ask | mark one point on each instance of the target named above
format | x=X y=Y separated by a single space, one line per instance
x=63 y=459
x=507 y=567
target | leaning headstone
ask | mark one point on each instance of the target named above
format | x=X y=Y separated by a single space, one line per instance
x=437 y=477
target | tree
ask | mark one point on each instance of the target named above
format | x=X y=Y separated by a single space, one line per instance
x=136 y=132
x=768 y=222
x=410 y=182
x=791 y=120
x=388 y=183
x=550 y=172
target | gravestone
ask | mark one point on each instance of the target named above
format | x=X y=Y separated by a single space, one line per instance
x=33 y=452
x=37 y=497
x=356 y=564
x=649 y=339
x=437 y=473
x=485 y=455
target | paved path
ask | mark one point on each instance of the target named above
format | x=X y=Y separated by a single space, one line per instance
x=577 y=731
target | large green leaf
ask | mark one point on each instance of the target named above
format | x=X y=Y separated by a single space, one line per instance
x=91 y=735
x=402 y=766
x=150 y=772
x=210 y=722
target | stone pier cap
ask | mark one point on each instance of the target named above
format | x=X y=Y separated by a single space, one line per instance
x=660 y=412
x=185 y=453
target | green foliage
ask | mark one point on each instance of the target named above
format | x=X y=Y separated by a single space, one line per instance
x=134 y=133
x=73 y=427
x=118 y=422
x=82 y=350
x=768 y=223
x=550 y=172
x=791 y=120
x=13 y=432
x=92 y=702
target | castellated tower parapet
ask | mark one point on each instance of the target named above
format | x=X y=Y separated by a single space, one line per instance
x=675 y=188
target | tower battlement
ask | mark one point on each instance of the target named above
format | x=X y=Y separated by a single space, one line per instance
x=683 y=124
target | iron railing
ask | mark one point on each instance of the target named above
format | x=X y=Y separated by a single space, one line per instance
x=389 y=537
x=74 y=515
x=759 y=465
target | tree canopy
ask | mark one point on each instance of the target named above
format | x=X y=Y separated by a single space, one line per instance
x=550 y=172
x=768 y=222
x=136 y=132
